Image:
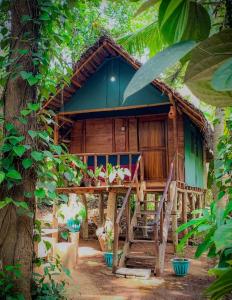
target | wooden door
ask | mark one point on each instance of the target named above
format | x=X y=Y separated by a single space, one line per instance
x=98 y=136
x=152 y=142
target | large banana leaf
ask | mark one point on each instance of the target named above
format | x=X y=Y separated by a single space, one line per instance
x=156 y=65
x=206 y=58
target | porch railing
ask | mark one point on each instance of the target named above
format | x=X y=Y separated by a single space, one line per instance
x=123 y=159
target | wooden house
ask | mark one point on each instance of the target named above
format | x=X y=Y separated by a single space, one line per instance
x=162 y=138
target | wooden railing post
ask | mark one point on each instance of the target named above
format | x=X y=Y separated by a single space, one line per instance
x=142 y=168
x=116 y=237
x=173 y=195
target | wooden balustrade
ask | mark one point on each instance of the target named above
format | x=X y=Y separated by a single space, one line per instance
x=115 y=158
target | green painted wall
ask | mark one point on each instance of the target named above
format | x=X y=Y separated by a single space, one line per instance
x=194 y=164
x=100 y=92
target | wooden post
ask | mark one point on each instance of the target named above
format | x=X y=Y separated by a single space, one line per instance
x=128 y=220
x=116 y=236
x=156 y=238
x=55 y=235
x=173 y=195
x=142 y=168
x=110 y=214
x=101 y=210
x=85 y=225
x=74 y=237
x=56 y=130
x=185 y=210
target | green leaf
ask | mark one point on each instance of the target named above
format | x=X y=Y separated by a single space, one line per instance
x=205 y=245
x=222 y=78
x=190 y=223
x=37 y=156
x=33 y=106
x=171 y=7
x=33 y=80
x=156 y=65
x=27 y=163
x=19 y=150
x=48 y=245
x=21 y=204
x=173 y=29
x=205 y=60
x=2 y=176
x=40 y=193
x=5 y=202
x=25 y=75
x=25 y=112
x=14 y=174
x=64 y=235
x=147 y=4
x=32 y=133
x=223 y=237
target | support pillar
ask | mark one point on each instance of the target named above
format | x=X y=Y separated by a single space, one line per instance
x=85 y=227
x=110 y=214
x=173 y=195
x=101 y=210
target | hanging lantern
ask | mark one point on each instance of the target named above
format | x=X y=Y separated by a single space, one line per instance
x=172 y=113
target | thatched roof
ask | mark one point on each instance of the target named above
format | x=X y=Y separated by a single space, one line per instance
x=91 y=60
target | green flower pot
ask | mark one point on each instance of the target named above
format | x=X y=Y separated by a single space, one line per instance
x=180 y=266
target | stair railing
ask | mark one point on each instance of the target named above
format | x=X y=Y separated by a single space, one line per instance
x=160 y=219
x=139 y=165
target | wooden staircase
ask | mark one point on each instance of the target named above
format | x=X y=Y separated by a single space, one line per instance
x=147 y=229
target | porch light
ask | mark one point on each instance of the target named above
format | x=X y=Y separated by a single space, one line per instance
x=112 y=78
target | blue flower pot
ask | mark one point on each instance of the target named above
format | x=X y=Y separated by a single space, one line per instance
x=73 y=225
x=108 y=257
x=180 y=266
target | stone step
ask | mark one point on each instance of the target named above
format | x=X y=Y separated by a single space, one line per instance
x=133 y=273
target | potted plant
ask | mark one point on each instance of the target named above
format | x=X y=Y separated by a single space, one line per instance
x=73 y=213
x=121 y=173
x=88 y=178
x=106 y=238
x=97 y=175
x=180 y=264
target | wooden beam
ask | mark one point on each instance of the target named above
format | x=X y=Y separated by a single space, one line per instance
x=77 y=84
x=56 y=130
x=75 y=73
x=63 y=118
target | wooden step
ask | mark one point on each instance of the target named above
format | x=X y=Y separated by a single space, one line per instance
x=151 y=227
x=140 y=257
x=142 y=241
x=134 y=273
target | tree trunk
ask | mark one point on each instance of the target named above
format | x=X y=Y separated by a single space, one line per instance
x=16 y=230
x=218 y=132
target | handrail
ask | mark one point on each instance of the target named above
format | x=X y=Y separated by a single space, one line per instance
x=102 y=153
x=161 y=203
x=128 y=192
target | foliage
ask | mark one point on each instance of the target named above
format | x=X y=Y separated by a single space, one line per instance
x=46 y=286
x=107 y=234
x=8 y=276
x=155 y=65
x=186 y=20
x=214 y=226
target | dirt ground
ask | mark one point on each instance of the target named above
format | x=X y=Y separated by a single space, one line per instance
x=91 y=279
